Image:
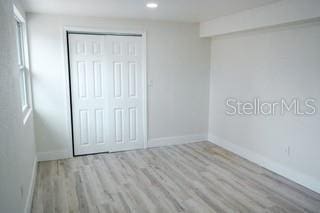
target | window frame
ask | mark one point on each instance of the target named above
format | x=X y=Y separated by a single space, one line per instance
x=23 y=64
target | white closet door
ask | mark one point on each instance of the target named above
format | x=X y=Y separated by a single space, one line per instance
x=124 y=57
x=89 y=93
x=106 y=90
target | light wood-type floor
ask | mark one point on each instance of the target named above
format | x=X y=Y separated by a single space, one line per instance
x=197 y=177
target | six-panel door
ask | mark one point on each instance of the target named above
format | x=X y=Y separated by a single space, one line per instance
x=106 y=91
x=125 y=96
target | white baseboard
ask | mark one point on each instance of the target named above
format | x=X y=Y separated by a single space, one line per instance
x=302 y=179
x=29 y=199
x=168 y=141
x=156 y=142
x=54 y=155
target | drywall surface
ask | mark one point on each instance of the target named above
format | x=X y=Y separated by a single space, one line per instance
x=178 y=66
x=269 y=64
x=17 y=147
x=278 y=13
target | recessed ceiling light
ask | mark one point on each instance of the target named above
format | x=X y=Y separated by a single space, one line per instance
x=152 y=5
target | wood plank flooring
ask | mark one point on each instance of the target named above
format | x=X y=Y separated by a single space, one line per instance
x=197 y=177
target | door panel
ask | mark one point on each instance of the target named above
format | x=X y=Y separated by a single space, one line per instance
x=132 y=80
x=118 y=124
x=99 y=115
x=82 y=79
x=88 y=92
x=97 y=73
x=118 y=79
x=132 y=124
x=106 y=91
x=84 y=127
x=124 y=58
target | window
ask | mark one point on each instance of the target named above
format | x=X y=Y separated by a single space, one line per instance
x=22 y=63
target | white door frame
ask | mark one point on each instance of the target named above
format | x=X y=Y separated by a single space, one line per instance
x=107 y=31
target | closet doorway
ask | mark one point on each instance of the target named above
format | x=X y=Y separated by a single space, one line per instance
x=107 y=91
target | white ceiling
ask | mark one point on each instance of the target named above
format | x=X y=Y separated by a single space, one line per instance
x=174 y=10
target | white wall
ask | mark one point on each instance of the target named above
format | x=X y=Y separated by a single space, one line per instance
x=178 y=67
x=270 y=64
x=17 y=147
x=278 y=13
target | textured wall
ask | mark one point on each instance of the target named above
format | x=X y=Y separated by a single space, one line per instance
x=17 y=147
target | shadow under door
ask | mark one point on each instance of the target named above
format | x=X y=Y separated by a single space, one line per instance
x=106 y=92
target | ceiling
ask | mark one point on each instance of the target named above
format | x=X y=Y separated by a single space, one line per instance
x=173 y=10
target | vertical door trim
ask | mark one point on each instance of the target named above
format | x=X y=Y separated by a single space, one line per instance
x=83 y=30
